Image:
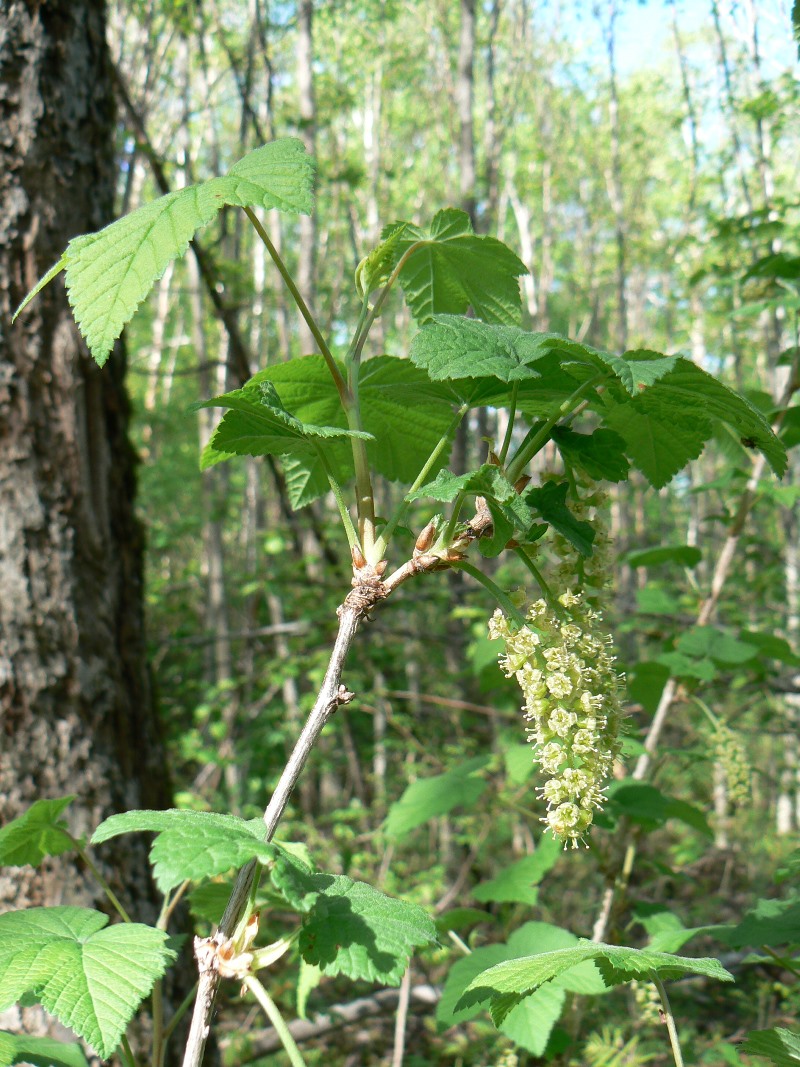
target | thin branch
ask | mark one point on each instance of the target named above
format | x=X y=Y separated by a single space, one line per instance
x=368 y=591
x=672 y=1029
x=401 y=1020
x=336 y=374
x=277 y=1020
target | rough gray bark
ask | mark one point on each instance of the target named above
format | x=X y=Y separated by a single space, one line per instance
x=76 y=713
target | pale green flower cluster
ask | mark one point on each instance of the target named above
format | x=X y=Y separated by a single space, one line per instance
x=565 y=669
x=730 y=752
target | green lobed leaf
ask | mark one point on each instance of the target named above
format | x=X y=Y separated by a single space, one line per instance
x=528 y=1023
x=601 y=454
x=426 y=798
x=518 y=881
x=654 y=600
x=374 y=269
x=405 y=414
x=453 y=269
x=39 y=1051
x=685 y=555
x=769 y=922
x=518 y=759
x=666 y=931
x=276 y=175
x=776 y=265
x=648 y=807
x=90 y=976
x=460 y=977
x=709 y=642
x=789 y=869
x=667 y=424
x=550 y=502
x=461 y=919
x=307 y=981
x=636 y=371
x=37 y=833
x=778 y=1045
x=191 y=844
x=54 y=271
x=350 y=927
x=258 y=424
x=451 y=346
x=510 y=982
x=110 y=272
x=683 y=666
x=658 y=446
x=208 y=901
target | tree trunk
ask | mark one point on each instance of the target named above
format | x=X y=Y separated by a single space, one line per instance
x=464 y=103
x=306 y=266
x=76 y=711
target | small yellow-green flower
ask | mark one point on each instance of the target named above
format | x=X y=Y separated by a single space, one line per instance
x=572 y=704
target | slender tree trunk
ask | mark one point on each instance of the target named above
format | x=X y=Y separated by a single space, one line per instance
x=306 y=267
x=464 y=105
x=614 y=178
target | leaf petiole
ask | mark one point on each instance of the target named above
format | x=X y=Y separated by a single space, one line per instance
x=361 y=336
x=383 y=541
x=336 y=489
x=279 y=1023
x=127 y=1053
x=672 y=1030
x=507 y=605
x=544 y=587
x=98 y=877
x=536 y=439
x=327 y=355
x=512 y=413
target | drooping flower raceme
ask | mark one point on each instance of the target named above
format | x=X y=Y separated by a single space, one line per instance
x=565 y=669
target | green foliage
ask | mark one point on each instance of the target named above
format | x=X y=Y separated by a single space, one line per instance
x=426 y=798
x=191 y=844
x=667 y=424
x=259 y=425
x=349 y=927
x=778 y=1045
x=37 y=833
x=90 y=976
x=402 y=413
x=685 y=555
x=768 y=922
x=648 y=807
x=449 y=269
x=337 y=420
x=518 y=881
x=529 y=1023
x=600 y=454
x=454 y=347
x=511 y=982
x=550 y=501
x=39 y=1051
x=109 y=273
